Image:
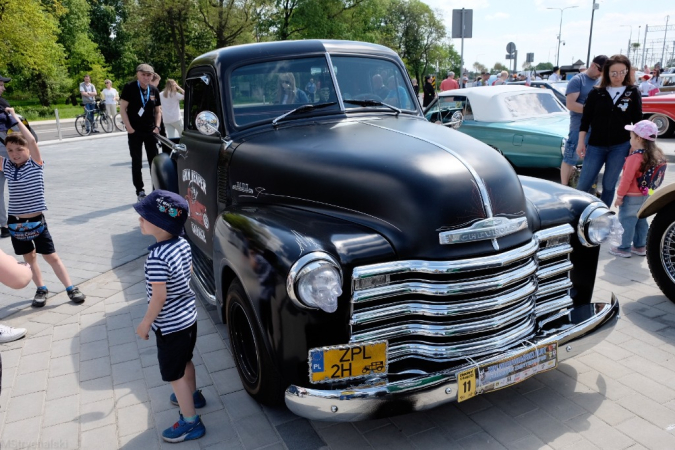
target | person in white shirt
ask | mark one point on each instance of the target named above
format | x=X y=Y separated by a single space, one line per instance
x=645 y=85
x=171 y=97
x=555 y=76
x=110 y=96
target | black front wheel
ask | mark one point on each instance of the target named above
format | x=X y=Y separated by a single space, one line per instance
x=256 y=370
x=83 y=126
x=106 y=123
x=661 y=250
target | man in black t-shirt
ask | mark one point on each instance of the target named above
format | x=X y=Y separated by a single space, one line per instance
x=141 y=112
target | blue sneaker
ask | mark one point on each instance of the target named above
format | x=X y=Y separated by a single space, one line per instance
x=197 y=398
x=184 y=431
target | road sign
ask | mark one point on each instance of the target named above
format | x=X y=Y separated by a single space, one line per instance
x=530 y=57
x=510 y=47
x=509 y=56
x=457 y=23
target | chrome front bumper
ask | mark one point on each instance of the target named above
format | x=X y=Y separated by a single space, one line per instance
x=575 y=332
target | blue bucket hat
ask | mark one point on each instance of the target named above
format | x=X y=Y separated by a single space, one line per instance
x=165 y=210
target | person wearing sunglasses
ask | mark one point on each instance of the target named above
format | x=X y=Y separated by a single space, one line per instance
x=575 y=96
x=287 y=93
x=612 y=105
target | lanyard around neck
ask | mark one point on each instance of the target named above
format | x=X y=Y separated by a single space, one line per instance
x=145 y=99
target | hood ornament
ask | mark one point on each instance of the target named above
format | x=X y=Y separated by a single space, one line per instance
x=483 y=230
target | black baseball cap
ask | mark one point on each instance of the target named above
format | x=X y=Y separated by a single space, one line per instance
x=600 y=60
x=5 y=79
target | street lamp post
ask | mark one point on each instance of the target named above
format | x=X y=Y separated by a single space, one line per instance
x=629 y=40
x=557 y=58
x=590 y=36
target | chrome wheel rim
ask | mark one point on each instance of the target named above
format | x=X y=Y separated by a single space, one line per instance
x=661 y=123
x=667 y=251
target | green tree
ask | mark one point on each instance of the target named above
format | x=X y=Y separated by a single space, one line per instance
x=498 y=67
x=228 y=21
x=479 y=67
x=544 y=66
x=109 y=29
x=413 y=30
x=31 y=53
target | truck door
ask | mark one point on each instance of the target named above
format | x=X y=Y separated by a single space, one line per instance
x=198 y=172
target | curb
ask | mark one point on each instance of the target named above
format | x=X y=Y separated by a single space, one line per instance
x=81 y=138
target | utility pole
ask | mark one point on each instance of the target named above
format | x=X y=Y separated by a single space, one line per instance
x=663 y=52
x=629 y=40
x=557 y=58
x=590 y=36
x=644 y=46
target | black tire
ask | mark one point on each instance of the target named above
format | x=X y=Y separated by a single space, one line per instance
x=661 y=250
x=106 y=123
x=119 y=123
x=83 y=126
x=256 y=370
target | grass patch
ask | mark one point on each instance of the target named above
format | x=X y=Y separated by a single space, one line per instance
x=36 y=113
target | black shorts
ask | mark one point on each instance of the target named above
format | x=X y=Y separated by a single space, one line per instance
x=174 y=351
x=42 y=244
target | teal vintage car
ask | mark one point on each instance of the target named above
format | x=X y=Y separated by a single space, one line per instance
x=529 y=126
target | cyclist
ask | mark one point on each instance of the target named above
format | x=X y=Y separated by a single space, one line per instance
x=89 y=93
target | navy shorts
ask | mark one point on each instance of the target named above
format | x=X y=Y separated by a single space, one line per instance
x=174 y=351
x=42 y=244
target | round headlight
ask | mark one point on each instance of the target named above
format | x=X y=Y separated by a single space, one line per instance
x=596 y=224
x=315 y=281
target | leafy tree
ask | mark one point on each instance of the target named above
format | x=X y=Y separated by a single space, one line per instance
x=28 y=32
x=228 y=21
x=478 y=67
x=544 y=66
x=108 y=29
x=413 y=30
x=498 y=67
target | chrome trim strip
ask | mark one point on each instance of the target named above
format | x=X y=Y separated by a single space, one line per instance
x=197 y=285
x=480 y=184
x=455 y=288
x=550 y=287
x=483 y=230
x=429 y=309
x=554 y=252
x=455 y=328
x=548 y=233
x=553 y=305
x=473 y=348
x=429 y=391
x=554 y=269
x=335 y=82
x=451 y=267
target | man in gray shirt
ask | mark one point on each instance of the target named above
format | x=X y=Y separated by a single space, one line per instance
x=576 y=94
x=88 y=92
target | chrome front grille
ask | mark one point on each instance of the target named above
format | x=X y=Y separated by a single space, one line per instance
x=435 y=312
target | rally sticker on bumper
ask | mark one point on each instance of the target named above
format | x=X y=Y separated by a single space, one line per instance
x=506 y=372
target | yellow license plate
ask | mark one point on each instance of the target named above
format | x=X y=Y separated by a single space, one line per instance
x=506 y=372
x=347 y=362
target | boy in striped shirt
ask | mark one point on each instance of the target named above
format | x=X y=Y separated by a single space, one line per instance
x=23 y=170
x=172 y=312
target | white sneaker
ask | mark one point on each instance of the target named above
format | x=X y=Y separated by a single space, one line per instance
x=9 y=334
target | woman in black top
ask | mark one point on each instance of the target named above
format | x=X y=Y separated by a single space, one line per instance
x=612 y=105
x=429 y=91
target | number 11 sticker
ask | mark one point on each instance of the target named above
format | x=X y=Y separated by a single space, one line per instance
x=466 y=384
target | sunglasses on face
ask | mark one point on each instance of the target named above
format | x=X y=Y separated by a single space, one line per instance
x=621 y=73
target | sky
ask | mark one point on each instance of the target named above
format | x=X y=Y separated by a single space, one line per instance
x=534 y=29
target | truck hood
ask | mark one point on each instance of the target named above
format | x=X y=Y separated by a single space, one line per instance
x=403 y=177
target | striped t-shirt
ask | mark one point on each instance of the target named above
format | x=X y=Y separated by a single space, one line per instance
x=170 y=262
x=26 y=187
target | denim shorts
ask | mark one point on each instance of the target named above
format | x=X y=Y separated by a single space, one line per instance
x=570 y=153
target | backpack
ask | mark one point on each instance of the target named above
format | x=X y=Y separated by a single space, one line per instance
x=652 y=178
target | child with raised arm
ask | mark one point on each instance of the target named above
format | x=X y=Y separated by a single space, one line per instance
x=172 y=312
x=27 y=225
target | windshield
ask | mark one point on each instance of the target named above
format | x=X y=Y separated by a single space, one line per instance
x=372 y=79
x=560 y=86
x=264 y=91
x=532 y=104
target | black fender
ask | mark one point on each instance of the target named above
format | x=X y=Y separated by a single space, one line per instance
x=164 y=173
x=259 y=246
x=553 y=204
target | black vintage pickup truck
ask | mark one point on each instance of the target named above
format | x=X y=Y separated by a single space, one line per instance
x=369 y=263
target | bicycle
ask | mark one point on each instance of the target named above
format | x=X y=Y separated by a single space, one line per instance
x=119 y=123
x=84 y=126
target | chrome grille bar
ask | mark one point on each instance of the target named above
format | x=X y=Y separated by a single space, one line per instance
x=475 y=347
x=437 y=289
x=553 y=305
x=554 y=252
x=444 y=309
x=457 y=328
x=554 y=269
x=551 y=287
x=447 y=267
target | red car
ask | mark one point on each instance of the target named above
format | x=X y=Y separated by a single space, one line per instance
x=660 y=109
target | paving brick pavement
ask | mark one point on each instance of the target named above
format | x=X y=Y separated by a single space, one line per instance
x=81 y=379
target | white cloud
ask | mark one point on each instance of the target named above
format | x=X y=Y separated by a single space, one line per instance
x=497 y=16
